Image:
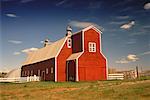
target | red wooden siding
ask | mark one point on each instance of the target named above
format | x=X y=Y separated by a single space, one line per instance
x=61 y=62
x=77 y=42
x=42 y=67
x=92 y=65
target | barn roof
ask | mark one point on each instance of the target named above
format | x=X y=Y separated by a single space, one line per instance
x=74 y=56
x=50 y=51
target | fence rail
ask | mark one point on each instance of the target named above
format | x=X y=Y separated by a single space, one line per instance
x=115 y=76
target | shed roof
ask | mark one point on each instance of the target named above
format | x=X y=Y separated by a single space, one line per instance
x=50 y=51
x=74 y=56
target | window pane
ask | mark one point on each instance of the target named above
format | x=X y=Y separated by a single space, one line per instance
x=46 y=70
x=92 y=47
x=51 y=70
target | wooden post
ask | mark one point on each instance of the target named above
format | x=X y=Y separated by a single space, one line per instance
x=137 y=72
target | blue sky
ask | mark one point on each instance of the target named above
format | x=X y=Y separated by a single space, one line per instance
x=125 y=24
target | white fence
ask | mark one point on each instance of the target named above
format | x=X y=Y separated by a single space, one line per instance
x=116 y=76
x=21 y=79
x=33 y=78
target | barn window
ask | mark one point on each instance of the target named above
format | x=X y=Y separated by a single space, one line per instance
x=38 y=72
x=31 y=72
x=52 y=70
x=46 y=70
x=92 y=47
x=28 y=72
x=69 y=42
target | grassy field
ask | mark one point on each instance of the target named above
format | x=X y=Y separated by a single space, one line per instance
x=98 y=90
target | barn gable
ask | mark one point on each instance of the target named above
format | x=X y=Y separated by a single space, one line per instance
x=50 y=51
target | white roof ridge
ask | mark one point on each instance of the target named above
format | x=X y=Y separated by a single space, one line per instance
x=88 y=27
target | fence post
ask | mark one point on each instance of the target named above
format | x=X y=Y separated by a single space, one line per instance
x=28 y=79
x=35 y=78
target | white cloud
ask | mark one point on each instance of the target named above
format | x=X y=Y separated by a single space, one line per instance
x=146 y=26
x=79 y=24
x=7 y=0
x=129 y=58
x=132 y=57
x=15 y=41
x=122 y=17
x=131 y=41
x=116 y=22
x=126 y=9
x=61 y=2
x=143 y=30
x=138 y=33
x=29 y=50
x=26 y=1
x=42 y=42
x=144 y=53
x=50 y=42
x=122 y=61
x=11 y=15
x=128 y=25
x=147 y=6
x=16 y=53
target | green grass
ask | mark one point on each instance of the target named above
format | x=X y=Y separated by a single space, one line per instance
x=98 y=90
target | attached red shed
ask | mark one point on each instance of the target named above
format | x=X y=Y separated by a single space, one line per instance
x=76 y=57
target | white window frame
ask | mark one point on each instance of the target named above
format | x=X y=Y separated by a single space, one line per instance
x=52 y=70
x=46 y=70
x=69 y=43
x=92 y=46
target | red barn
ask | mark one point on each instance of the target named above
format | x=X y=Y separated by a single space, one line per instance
x=75 y=57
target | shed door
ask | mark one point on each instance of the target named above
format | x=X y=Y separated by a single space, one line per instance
x=71 y=66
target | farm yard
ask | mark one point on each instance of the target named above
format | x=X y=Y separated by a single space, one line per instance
x=105 y=90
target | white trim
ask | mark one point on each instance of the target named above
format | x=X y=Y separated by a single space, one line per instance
x=87 y=28
x=73 y=56
x=55 y=69
x=106 y=70
x=77 y=70
x=56 y=58
x=92 y=27
x=61 y=46
x=104 y=56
